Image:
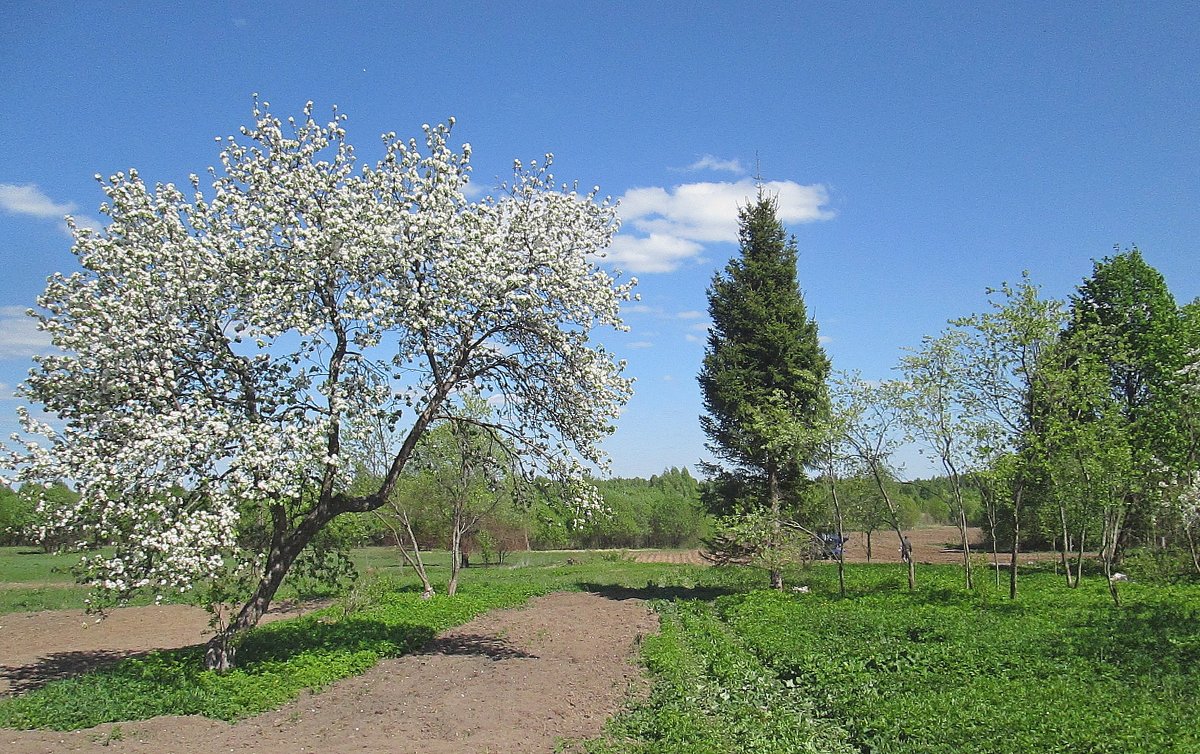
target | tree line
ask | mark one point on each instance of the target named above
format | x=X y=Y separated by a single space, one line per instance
x=1070 y=424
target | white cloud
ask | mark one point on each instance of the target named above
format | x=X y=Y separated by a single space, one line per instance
x=690 y=338
x=29 y=200
x=824 y=339
x=654 y=253
x=708 y=162
x=19 y=336
x=674 y=224
x=641 y=344
x=692 y=314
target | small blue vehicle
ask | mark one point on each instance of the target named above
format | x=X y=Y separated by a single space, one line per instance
x=829 y=545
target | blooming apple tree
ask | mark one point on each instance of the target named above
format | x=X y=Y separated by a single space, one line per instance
x=218 y=353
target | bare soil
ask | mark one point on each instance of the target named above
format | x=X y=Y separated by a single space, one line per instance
x=931 y=544
x=517 y=680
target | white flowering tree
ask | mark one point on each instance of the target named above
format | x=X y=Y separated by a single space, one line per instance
x=217 y=352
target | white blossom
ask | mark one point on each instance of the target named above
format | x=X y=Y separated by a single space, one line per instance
x=217 y=347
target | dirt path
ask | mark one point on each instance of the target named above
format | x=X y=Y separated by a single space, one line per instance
x=510 y=681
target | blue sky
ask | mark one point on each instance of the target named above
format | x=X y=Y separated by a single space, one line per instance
x=922 y=151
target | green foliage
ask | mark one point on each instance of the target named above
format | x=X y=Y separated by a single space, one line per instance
x=764 y=368
x=16 y=517
x=944 y=670
x=712 y=695
x=662 y=511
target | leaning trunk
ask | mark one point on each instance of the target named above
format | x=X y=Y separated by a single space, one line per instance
x=285 y=548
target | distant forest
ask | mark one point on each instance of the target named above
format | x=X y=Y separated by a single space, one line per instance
x=663 y=511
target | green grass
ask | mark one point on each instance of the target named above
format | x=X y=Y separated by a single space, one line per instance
x=739 y=668
x=944 y=670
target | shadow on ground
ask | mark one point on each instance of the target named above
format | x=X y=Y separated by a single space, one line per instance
x=491 y=647
x=57 y=665
x=654 y=592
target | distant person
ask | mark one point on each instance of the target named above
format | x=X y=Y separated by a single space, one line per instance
x=905 y=550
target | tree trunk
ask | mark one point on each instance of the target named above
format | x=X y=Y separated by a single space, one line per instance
x=966 y=545
x=1018 y=495
x=455 y=557
x=414 y=558
x=841 y=551
x=1108 y=544
x=1066 y=548
x=285 y=548
x=956 y=485
x=868 y=545
x=776 y=530
x=1079 y=556
x=1187 y=530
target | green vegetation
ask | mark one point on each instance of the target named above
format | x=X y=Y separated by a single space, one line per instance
x=712 y=694
x=739 y=667
x=939 y=670
x=277 y=662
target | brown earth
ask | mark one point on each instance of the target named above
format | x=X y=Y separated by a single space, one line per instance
x=515 y=680
x=931 y=544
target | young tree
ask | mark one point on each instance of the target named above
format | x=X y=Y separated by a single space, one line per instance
x=1002 y=351
x=471 y=473
x=762 y=380
x=937 y=416
x=220 y=351
x=871 y=419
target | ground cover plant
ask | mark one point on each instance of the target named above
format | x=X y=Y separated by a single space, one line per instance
x=945 y=670
x=889 y=671
x=737 y=666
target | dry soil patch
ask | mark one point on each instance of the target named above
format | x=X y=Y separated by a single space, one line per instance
x=510 y=681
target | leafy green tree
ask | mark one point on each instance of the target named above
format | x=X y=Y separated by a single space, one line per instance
x=938 y=415
x=762 y=380
x=17 y=516
x=870 y=422
x=1001 y=352
x=1129 y=319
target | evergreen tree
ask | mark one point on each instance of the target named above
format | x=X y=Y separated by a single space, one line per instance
x=763 y=382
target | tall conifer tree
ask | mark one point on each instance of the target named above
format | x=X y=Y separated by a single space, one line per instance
x=763 y=380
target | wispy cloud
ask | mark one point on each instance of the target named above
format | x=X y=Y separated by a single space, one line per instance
x=824 y=339
x=19 y=336
x=708 y=162
x=691 y=314
x=29 y=200
x=641 y=344
x=666 y=227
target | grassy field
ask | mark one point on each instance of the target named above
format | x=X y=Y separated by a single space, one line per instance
x=738 y=668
